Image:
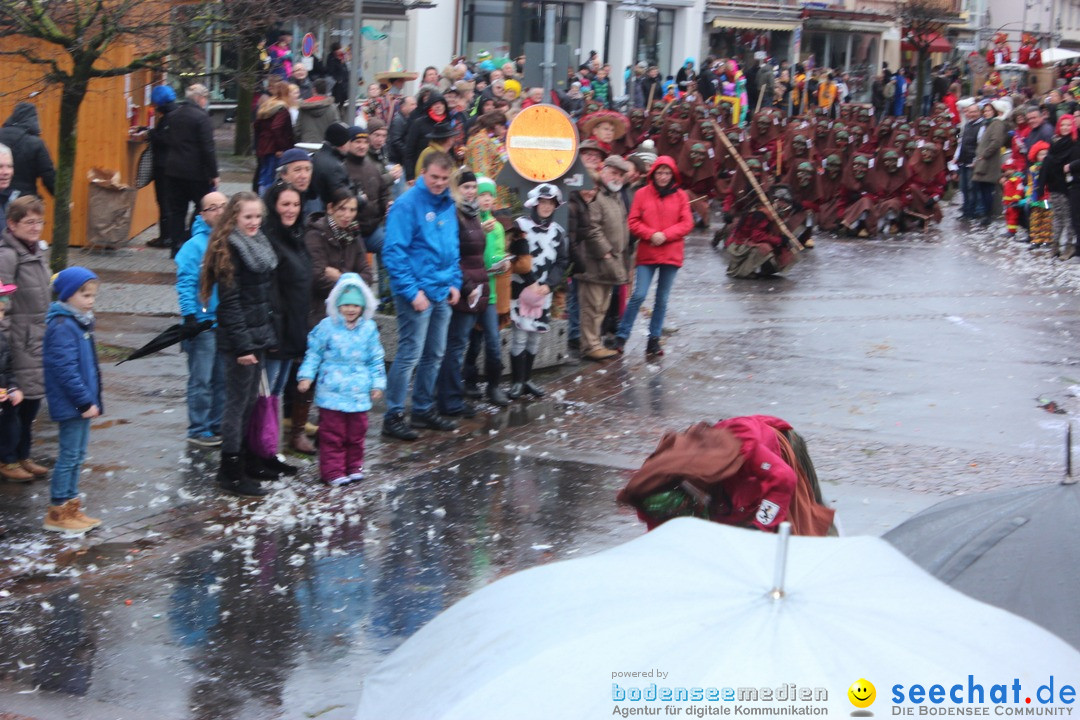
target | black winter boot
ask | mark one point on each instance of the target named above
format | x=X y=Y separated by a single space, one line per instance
x=531 y=387
x=230 y=478
x=495 y=395
x=278 y=466
x=256 y=467
x=517 y=376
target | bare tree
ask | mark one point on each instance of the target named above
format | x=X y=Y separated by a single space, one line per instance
x=923 y=22
x=70 y=41
x=244 y=25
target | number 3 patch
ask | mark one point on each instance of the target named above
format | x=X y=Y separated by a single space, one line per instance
x=767 y=512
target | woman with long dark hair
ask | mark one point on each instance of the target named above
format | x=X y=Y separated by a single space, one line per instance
x=241 y=262
x=290 y=300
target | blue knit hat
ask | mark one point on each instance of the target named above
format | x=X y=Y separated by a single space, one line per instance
x=293 y=155
x=162 y=95
x=68 y=281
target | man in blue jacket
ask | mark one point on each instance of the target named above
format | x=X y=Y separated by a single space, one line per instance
x=206 y=375
x=421 y=256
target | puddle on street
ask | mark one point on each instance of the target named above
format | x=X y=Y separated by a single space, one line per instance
x=285 y=622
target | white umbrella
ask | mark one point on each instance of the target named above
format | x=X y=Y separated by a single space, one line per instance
x=692 y=600
x=1053 y=55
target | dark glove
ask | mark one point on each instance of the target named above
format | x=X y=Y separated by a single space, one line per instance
x=931 y=202
x=190 y=320
x=728 y=217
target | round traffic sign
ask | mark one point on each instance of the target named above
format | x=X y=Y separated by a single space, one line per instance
x=307 y=47
x=541 y=143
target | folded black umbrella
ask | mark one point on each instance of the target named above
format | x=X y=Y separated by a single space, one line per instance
x=171 y=336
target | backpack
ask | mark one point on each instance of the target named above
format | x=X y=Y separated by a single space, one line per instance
x=890 y=89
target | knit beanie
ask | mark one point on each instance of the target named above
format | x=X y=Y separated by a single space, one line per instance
x=68 y=281
x=485 y=184
x=351 y=296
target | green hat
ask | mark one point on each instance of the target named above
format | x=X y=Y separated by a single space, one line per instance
x=485 y=184
x=351 y=296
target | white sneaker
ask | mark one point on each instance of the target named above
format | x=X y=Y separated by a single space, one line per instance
x=339 y=481
x=357 y=476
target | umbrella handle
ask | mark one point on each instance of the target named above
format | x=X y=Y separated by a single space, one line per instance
x=783 y=536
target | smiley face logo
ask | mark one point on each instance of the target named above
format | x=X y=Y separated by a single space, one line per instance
x=862 y=693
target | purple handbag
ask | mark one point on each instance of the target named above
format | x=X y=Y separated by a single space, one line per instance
x=264 y=427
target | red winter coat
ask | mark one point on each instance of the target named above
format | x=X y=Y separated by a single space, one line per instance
x=670 y=215
x=760 y=494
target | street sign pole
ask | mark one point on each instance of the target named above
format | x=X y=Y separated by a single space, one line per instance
x=549 y=50
x=354 y=62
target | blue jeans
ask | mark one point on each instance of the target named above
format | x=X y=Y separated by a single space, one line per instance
x=642 y=279
x=374 y=241
x=451 y=385
x=206 y=385
x=74 y=437
x=484 y=335
x=971 y=197
x=277 y=374
x=984 y=197
x=267 y=171
x=573 y=312
x=421 y=344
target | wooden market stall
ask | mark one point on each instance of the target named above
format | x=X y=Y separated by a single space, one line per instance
x=111 y=107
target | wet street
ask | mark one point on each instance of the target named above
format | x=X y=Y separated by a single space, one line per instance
x=913 y=367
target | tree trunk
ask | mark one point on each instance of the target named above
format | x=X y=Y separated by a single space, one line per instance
x=246 y=74
x=71 y=97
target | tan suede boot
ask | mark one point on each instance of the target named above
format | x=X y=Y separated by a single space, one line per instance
x=14 y=472
x=76 y=511
x=33 y=468
x=298 y=440
x=59 y=518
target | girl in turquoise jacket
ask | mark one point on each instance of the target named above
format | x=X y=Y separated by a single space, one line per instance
x=344 y=360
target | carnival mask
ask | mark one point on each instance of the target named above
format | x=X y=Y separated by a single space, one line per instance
x=832 y=166
x=928 y=153
x=804 y=173
x=842 y=139
x=891 y=161
x=673 y=133
x=859 y=167
x=708 y=131
x=799 y=146
x=911 y=147
x=697 y=155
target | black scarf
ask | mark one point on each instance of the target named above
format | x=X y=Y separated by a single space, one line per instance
x=542 y=224
x=665 y=191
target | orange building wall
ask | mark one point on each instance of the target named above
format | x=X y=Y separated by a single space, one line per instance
x=103 y=131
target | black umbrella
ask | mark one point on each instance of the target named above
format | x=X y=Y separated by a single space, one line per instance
x=1017 y=549
x=171 y=336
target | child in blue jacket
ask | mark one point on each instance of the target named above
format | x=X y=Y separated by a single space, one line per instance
x=73 y=391
x=345 y=357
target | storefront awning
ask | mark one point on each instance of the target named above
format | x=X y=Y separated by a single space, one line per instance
x=744 y=24
x=938 y=44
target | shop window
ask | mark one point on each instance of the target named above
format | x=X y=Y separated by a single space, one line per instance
x=655 y=34
x=502 y=27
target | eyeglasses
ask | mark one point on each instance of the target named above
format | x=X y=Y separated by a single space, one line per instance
x=31 y=222
x=214 y=208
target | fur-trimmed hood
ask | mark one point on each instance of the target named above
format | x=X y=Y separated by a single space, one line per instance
x=344 y=282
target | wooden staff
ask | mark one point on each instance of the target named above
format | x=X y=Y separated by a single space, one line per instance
x=760 y=97
x=652 y=91
x=770 y=211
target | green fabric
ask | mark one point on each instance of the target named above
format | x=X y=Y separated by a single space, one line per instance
x=671 y=503
x=495 y=249
x=486 y=185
